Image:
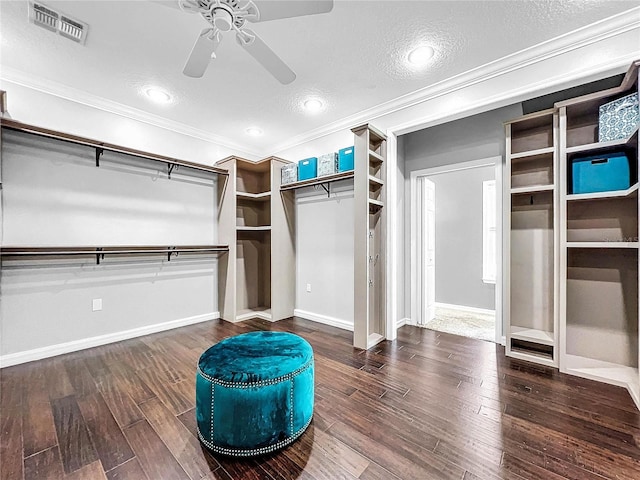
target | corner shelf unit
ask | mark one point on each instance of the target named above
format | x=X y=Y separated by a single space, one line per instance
x=257 y=220
x=599 y=253
x=15 y=253
x=101 y=147
x=531 y=225
x=369 y=236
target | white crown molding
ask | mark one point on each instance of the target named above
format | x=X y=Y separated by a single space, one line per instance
x=73 y=346
x=582 y=37
x=56 y=89
x=585 y=36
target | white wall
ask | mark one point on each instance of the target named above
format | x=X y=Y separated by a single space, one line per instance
x=52 y=194
x=324 y=251
x=34 y=107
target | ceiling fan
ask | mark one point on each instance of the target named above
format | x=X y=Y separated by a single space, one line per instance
x=227 y=15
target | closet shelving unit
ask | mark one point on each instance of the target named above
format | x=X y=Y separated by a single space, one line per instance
x=599 y=253
x=101 y=147
x=257 y=220
x=369 y=223
x=531 y=223
x=369 y=236
x=100 y=252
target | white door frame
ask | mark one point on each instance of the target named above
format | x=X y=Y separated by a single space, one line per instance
x=415 y=208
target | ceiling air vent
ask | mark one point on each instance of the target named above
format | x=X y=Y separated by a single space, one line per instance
x=50 y=19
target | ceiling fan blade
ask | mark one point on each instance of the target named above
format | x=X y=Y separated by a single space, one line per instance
x=276 y=9
x=190 y=6
x=201 y=52
x=266 y=57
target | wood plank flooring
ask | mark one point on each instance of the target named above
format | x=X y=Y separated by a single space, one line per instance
x=427 y=406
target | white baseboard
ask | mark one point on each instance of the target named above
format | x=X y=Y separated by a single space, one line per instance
x=75 y=345
x=334 y=322
x=402 y=322
x=464 y=308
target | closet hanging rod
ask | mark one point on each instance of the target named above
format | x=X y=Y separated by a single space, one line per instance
x=103 y=146
x=100 y=252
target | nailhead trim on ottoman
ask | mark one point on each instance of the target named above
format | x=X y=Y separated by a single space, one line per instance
x=254 y=393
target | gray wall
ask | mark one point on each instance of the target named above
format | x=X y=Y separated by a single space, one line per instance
x=459 y=238
x=472 y=138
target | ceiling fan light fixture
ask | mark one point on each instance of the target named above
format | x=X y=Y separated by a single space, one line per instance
x=254 y=131
x=158 y=95
x=313 y=105
x=420 y=56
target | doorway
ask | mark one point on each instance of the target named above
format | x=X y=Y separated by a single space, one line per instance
x=456 y=243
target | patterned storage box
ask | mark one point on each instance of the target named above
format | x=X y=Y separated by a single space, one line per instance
x=289 y=173
x=345 y=159
x=327 y=164
x=618 y=119
x=308 y=168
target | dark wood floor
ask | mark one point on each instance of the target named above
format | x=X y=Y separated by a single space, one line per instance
x=427 y=406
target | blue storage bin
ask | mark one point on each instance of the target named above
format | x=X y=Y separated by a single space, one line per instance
x=600 y=173
x=308 y=168
x=345 y=159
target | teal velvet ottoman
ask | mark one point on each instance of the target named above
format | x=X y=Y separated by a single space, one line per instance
x=254 y=393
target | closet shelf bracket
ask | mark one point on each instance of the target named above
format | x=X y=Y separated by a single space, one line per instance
x=170 y=168
x=99 y=255
x=99 y=152
x=326 y=187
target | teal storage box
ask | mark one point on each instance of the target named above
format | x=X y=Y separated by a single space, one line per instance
x=600 y=173
x=345 y=159
x=308 y=168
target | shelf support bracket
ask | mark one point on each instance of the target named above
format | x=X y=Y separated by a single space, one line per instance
x=327 y=188
x=171 y=250
x=99 y=152
x=99 y=255
x=170 y=168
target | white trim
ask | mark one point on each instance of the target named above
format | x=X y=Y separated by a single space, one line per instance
x=392 y=241
x=465 y=308
x=75 y=95
x=588 y=35
x=325 y=319
x=75 y=345
x=491 y=161
x=401 y=322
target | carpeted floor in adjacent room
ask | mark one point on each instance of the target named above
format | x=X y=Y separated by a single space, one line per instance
x=465 y=323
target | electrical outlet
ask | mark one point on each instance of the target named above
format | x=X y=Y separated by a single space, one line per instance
x=308 y=288
x=97 y=304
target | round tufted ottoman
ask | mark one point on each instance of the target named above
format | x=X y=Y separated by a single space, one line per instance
x=254 y=393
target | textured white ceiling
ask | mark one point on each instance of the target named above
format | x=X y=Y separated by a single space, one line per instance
x=352 y=57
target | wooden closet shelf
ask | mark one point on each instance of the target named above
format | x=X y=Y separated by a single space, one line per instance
x=318 y=180
x=100 y=252
x=596 y=147
x=103 y=146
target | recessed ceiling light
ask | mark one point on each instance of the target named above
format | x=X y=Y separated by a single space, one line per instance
x=158 y=95
x=313 y=105
x=420 y=56
x=253 y=131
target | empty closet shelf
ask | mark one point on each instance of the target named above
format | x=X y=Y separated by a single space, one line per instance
x=532 y=335
x=101 y=252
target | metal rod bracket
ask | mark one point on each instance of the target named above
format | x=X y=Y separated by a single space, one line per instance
x=99 y=152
